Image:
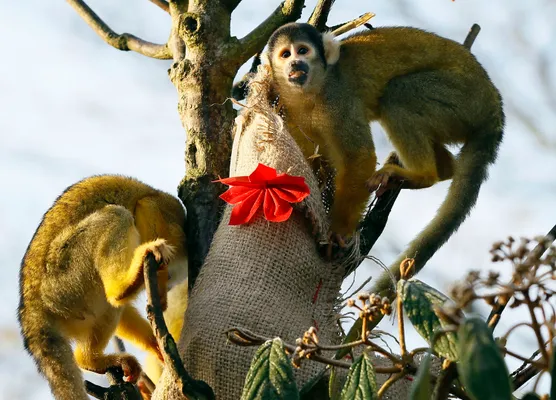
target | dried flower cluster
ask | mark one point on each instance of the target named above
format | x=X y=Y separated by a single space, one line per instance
x=305 y=346
x=372 y=306
x=533 y=274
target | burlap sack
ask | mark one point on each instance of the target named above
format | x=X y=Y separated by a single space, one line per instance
x=264 y=277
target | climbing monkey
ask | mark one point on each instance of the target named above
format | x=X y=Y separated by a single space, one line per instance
x=84 y=267
x=426 y=91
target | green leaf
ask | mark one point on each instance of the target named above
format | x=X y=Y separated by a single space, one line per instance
x=419 y=300
x=531 y=396
x=361 y=381
x=421 y=388
x=481 y=367
x=271 y=375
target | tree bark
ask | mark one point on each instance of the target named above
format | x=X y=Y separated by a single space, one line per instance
x=203 y=80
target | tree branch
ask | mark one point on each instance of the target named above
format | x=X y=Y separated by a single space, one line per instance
x=471 y=36
x=348 y=26
x=163 y=4
x=254 y=42
x=118 y=389
x=230 y=5
x=125 y=41
x=319 y=16
x=240 y=88
x=189 y=387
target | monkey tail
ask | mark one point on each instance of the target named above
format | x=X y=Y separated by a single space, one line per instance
x=51 y=351
x=470 y=172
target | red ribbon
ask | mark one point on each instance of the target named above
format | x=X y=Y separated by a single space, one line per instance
x=275 y=192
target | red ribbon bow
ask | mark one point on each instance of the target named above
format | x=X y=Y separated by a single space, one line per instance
x=264 y=186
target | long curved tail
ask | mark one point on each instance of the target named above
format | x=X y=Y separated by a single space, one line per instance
x=52 y=353
x=471 y=171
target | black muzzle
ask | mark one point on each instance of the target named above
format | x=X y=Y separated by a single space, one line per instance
x=298 y=72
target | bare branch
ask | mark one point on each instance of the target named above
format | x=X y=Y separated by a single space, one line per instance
x=254 y=42
x=356 y=23
x=163 y=4
x=471 y=36
x=125 y=41
x=319 y=16
x=189 y=387
x=95 y=390
x=119 y=344
x=230 y=5
x=239 y=90
x=119 y=389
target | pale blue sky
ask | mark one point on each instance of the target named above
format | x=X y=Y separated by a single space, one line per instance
x=71 y=106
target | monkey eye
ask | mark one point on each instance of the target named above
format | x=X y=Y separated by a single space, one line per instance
x=285 y=54
x=302 y=50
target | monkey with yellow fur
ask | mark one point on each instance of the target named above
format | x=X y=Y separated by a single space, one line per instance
x=84 y=267
x=426 y=92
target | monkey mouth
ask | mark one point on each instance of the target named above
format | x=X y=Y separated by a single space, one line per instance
x=298 y=77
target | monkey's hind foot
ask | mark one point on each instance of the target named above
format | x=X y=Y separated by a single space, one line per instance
x=163 y=253
x=336 y=247
x=383 y=180
x=130 y=367
x=161 y=250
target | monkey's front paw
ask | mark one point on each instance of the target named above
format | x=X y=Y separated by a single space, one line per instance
x=162 y=251
x=336 y=247
x=130 y=366
x=382 y=180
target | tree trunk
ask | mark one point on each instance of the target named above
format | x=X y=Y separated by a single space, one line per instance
x=203 y=81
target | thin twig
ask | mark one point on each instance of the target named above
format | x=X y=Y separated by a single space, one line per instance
x=240 y=88
x=535 y=254
x=95 y=390
x=244 y=337
x=471 y=36
x=123 y=42
x=166 y=343
x=119 y=344
x=524 y=359
x=356 y=23
x=443 y=385
x=163 y=4
x=389 y=382
x=243 y=49
x=537 y=329
x=401 y=330
x=119 y=389
x=320 y=13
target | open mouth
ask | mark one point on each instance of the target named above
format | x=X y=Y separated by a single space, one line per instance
x=297 y=74
x=298 y=77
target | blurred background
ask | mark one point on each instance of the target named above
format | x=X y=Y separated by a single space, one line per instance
x=72 y=106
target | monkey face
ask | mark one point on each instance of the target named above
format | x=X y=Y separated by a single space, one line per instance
x=297 y=64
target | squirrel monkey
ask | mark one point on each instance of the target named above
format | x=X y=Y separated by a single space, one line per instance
x=426 y=91
x=84 y=267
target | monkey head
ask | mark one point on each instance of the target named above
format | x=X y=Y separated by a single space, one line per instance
x=299 y=56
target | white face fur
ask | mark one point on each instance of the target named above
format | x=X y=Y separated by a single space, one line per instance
x=298 y=65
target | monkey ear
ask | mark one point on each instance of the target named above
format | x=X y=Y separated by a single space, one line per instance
x=265 y=58
x=331 y=48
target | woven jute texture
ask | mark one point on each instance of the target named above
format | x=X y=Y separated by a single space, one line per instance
x=265 y=277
